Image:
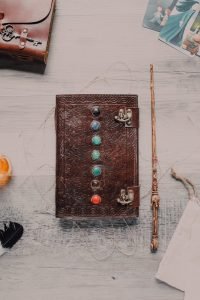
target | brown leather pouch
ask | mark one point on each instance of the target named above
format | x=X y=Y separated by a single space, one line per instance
x=25 y=28
x=97 y=172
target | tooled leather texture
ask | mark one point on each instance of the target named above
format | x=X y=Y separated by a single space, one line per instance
x=25 y=28
x=119 y=156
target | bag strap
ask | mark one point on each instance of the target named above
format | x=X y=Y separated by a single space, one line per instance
x=31 y=23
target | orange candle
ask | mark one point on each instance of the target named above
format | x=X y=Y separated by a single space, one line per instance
x=5 y=170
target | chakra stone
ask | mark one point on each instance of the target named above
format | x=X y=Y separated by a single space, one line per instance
x=95 y=184
x=95 y=125
x=96 y=111
x=96 y=171
x=96 y=199
x=96 y=155
x=96 y=140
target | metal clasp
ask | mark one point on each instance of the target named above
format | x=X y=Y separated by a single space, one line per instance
x=126 y=197
x=125 y=116
x=8 y=33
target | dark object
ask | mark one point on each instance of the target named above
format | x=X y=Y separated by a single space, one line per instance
x=97 y=173
x=25 y=29
x=11 y=234
x=96 y=111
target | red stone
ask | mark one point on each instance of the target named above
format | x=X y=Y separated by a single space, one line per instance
x=96 y=199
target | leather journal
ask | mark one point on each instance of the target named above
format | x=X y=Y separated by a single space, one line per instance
x=97 y=172
x=25 y=29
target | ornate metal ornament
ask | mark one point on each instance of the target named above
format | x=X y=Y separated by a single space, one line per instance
x=126 y=197
x=125 y=116
x=8 y=34
x=95 y=185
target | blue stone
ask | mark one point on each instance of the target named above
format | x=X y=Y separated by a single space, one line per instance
x=95 y=125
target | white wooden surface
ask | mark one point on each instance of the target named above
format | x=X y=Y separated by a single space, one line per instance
x=97 y=47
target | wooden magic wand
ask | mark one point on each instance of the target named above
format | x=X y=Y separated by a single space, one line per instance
x=155 y=199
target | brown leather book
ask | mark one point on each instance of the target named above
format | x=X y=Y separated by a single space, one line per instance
x=25 y=29
x=97 y=172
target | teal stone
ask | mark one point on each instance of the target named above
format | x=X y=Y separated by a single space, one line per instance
x=96 y=155
x=96 y=140
x=96 y=171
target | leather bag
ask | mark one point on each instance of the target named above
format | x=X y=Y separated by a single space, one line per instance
x=25 y=29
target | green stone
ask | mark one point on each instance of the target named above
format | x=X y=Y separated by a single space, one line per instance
x=96 y=171
x=96 y=140
x=96 y=155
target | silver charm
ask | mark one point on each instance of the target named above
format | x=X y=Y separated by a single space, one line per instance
x=126 y=198
x=125 y=116
x=8 y=34
x=95 y=185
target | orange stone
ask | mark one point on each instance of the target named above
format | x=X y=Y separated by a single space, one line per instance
x=96 y=199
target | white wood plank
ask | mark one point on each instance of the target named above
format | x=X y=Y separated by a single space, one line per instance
x=97 y=47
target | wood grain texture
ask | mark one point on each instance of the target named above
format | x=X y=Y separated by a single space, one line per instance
x=97 y=47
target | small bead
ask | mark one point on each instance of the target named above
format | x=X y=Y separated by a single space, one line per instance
x=96 y=199
x=95 y=184
x=96 y=155
x=95 y=125
x=96 y=171
x=96 y=111
x=96 y=140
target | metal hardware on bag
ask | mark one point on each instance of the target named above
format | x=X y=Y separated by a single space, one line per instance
x=23 y=38
x=125 y=116
x=126 y=197
x=8 y=34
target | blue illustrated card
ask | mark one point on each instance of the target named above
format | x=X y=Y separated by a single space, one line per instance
x=157 y=13
x=182 y=30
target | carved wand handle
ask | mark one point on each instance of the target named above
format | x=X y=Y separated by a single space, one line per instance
x=155 y=199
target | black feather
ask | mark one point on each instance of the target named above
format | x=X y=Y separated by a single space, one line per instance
x=11 y=234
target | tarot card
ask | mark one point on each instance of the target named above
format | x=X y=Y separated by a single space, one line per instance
x=157 y=13
x=182 y=30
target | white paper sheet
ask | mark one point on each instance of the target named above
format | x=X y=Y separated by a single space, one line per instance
x=192 y=290
x=173 y=269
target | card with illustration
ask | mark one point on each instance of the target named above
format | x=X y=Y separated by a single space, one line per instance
x=182 y=30
x=157 y=13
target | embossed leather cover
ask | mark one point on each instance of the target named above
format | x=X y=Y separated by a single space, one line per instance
x=118 y=160
x=25 y=28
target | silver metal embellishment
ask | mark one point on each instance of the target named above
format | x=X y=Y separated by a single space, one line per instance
x=8 y=34
x=126 y=197
x=125 y=116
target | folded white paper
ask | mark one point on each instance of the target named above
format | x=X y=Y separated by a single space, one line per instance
x=192 y=289
x=174 y=267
